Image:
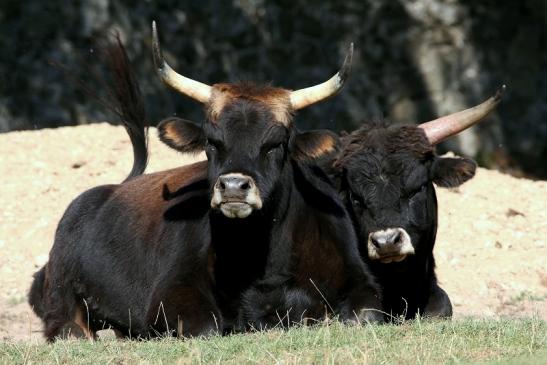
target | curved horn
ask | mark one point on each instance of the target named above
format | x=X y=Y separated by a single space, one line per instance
x=192 y=88
x=314 y=94
x=440 y=129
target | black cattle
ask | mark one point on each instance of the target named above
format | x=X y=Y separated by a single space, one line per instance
x=386 y=175
x=149 y=256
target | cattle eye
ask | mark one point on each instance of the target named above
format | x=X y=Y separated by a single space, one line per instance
x=356 y=201
x=272 y=148
x=211 y=146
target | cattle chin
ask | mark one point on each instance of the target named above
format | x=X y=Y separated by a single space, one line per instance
x=390 y=259
x=389 y=245
x=236 y=209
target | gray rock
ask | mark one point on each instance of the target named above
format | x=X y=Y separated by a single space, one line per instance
x=415 y=60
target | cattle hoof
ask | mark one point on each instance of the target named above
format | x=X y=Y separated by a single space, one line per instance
x=371 y=316
x=364 y=316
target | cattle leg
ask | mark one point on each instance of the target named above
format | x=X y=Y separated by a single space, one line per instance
x=439 y=304
x=266 y=306
x=81 y=320
x=62 y=326
x=57 y=309
x=362 y=305
x=184 y=310
x=119 y=334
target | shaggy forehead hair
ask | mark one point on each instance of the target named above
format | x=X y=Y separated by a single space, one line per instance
x=389 y=140
x=277 y=100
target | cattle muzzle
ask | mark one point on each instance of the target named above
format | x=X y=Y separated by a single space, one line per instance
x=389 y=245
x=236 y=195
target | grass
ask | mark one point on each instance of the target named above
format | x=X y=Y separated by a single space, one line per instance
x=526 y=296
x=466 y=341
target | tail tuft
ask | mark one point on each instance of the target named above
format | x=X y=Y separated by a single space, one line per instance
x=129 y=104
x=36 y=292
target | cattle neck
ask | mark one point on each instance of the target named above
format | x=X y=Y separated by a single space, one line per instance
x=420 y=265
x=410 y=278
x=406 y=285
x=242 y=246
x=396 y=273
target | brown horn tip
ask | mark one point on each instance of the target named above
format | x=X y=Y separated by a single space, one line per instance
x=194 y=89
x=159 y=61
x=442 y=128
x=345 y=70
x=499 y=93
x=304 y=97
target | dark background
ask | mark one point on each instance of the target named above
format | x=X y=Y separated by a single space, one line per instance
x=414 y=61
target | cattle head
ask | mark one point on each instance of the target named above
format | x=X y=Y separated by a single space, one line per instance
x=387 y=175
x=248 y=134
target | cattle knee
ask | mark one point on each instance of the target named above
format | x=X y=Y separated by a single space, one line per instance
x=362 y=305
x=184 y=311
x=363 y=315
x=439 y=304
x=302 y=306
x=195 y=323
x=203 y=324
x=81 y=320
x=62 y=330
x=277 y=307
x=119 y=334
x=261 y=309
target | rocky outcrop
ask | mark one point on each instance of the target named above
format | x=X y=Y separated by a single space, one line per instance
x=414 y=60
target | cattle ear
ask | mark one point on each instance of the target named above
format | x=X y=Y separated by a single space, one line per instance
x=315 y=144
x=181 y=135
x=450 y=172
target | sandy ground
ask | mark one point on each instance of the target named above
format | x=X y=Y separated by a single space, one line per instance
x=491 y=248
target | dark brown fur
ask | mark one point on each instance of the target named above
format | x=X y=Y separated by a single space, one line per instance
x=404 y=138
x=143 y=201
x=277 y=100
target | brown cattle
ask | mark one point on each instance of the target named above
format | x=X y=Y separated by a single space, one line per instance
x=262 y=235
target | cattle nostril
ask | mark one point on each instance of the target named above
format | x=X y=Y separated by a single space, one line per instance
x=375 y=242
x=234 y=184
x=396 y=239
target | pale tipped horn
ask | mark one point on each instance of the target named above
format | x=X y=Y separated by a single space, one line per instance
x=314 y=94
x=192 y=88
x=442 y=128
